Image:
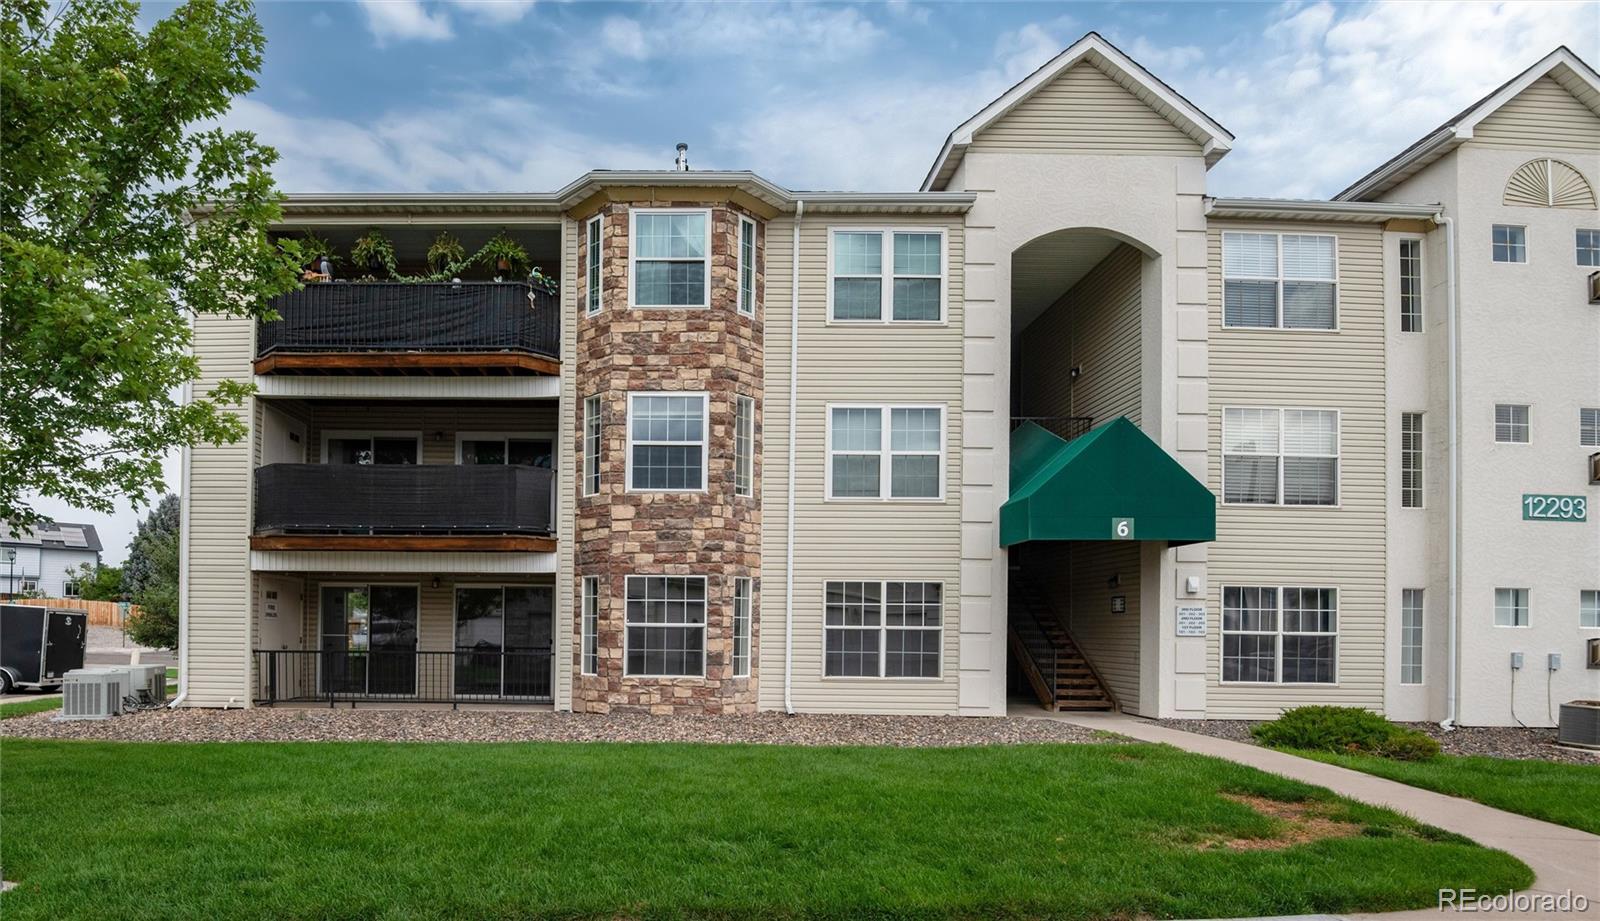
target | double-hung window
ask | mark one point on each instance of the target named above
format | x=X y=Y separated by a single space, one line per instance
x=1285 y=635
x=1510 y=243
x=666 y=626
x=1511 y=423
x=747 y=267
x=1411 y=286
x=1411 y=636
x=744 y=446
x=592 y=272
x=1589 y=427
x=1588 y=247
x=885 y=452
x=1280 y=281
x=591 y=445
x=670 y=254
x=741 y=627
x=904 y=267
x=883 y=629
x=1280 y=457
x=1411 y=460
x=1511 y=607
x=590 y=610
x=667 y=442
x=1589 y=608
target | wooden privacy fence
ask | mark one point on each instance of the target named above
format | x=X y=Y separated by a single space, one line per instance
x=101 y=613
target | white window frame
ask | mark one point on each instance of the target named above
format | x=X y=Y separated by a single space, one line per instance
x=886 y=453
x=1338 y=458
x=1585 y=596
x=1526 y=607
x=1582 y=423
x=594 y=270
x=703 y=626
x=1400 y=296
x=593 y=440
x=463 y=437
x=705 y=438
x=1280 y=278
x=743 y=624
x=328 y=435
x=70 y=589
x=1420 y=500
x=1278 y=634
x=633 y=259
x=886 y=276
x=1527 y=425
x=744 y=446
x=746 y=300
x=1413 y=624
x=1577 y=248
x=589 y=626
x=883 y=628
x=27 y=584
x=1526 y=255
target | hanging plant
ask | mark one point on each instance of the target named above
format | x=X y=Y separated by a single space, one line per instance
x=446 y=253
x=373 y=251
x=505 y=255
x=314 y=249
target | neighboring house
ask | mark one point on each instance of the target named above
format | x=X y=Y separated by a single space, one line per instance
x=769 y=449
x=48 y=558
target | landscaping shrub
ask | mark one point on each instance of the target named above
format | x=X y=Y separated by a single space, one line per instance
x=1349 y=730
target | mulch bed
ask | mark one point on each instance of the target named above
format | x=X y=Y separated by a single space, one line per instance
x=377 y=725
x=1490 y=741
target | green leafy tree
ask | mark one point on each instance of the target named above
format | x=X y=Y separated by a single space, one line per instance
x=98 y=583
x=108 y=152
x=150 y=576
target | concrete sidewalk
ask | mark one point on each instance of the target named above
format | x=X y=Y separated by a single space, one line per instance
x=1562 y=858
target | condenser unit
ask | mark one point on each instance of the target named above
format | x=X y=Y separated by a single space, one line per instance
x=151 y=679
x=1594 y=468
x=92 y=693
x=1594 y=287
x=1580 y=724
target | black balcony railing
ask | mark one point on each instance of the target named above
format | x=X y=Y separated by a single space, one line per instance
x=1065 y=427
x=405 y=317
x=404 y=499
x=459 y=676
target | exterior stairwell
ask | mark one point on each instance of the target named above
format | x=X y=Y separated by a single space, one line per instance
x=1057 y=671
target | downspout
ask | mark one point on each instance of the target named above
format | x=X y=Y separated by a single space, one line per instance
x=1453 y=516
x=794 y=392
x=183 y=573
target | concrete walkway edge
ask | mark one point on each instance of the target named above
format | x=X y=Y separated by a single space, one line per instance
x=1561 y=858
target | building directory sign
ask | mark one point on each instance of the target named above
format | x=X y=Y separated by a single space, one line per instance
x=1191 y=620
x=1545 y=507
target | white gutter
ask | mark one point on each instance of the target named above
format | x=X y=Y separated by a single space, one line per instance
x=794 y=392
x=183 y=572
x=1453 y=515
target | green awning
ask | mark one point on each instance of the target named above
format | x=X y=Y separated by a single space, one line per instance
x=1111 y=483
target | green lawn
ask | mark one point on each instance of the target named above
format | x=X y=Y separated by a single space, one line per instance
x=361 y=830
x=25 y=706
x=1562 y=793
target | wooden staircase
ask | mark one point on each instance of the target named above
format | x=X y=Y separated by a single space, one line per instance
x=1058 y=672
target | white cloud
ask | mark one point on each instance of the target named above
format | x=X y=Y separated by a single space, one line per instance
x=495 y=12
x=624 y=36
x=405 y=20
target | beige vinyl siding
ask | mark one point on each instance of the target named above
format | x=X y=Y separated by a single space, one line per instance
x=438 y=423
x=1342 y=547
x=217 y=584
x=1544 y=116
x=853 y=540
x=1094 y=325
x=1086 y=112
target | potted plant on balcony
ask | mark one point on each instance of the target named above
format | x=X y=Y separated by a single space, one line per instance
x=316 y=258
x=446 y=254
x=506 y=255
x=373 y=251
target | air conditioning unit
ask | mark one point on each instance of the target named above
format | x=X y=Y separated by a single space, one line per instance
x=1594 y=287
x=1594 y=652
x=1594 y=468
x=151 y=679
x=92 y=693
x=1580 y=724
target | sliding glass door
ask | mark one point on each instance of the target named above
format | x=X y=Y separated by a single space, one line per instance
x=503 y=637
x=369 y=639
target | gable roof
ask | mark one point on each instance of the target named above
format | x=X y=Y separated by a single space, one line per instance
x=1094 y=50
x=1561 y=65
x=59 y=535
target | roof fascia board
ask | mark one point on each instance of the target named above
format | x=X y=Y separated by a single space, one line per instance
x=1378 y=210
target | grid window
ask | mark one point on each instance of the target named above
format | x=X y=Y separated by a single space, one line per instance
x=744 y=446
x=883 y=629
x=1511 y=423
x=1287 y=635
x=1411 y=286
x=669 y=258
x=1510 y=243
x=592 y=302
x=1589 y=247
x=666 y=442
x=591 y=626
x=914 y=279
x=1280 y=457
x=862 y=464
x=1589 y=427
x=1411 y=636
x=1589 y=608
x=747 y=267
x=741 y=628
x=666 y=625
x=1280 y=281
x=591 y=445
x=1511 y=607
x=69 y=589
x=1411 y=460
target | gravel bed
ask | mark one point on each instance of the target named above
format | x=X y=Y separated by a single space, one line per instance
x=1513 y=742
x=285 y=725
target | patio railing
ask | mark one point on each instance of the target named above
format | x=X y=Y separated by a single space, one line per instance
x=421 y=317
x=459 y=676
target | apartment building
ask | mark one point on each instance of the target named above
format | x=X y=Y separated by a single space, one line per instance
x=1058 y=428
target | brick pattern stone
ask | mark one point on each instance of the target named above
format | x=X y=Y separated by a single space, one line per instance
x=714 y=533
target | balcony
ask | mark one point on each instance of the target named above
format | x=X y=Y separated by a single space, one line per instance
x=449 y=328
x=438 y=507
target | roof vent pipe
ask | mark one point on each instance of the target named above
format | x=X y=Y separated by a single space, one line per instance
x=682 y=163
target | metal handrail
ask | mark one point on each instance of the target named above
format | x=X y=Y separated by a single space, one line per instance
x=399 y=675
x=1067 y=427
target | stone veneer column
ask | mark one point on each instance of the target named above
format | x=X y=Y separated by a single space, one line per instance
x=714 y=533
